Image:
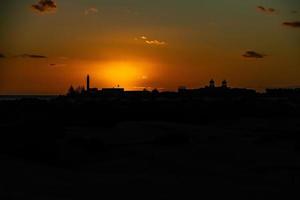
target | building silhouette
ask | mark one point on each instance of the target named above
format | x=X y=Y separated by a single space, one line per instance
x=208 y=91
x=104 y=91
x=212 y=83
x=224 y=84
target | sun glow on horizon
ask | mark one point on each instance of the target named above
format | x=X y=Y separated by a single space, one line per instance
x=123 y=73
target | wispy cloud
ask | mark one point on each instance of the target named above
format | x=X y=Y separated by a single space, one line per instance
x=32 y=56
x=153 y=41
x=44 y=6
x=91 y=11
x=253 y=54
x=57 y=65
x=295 y=24
x=266 y=10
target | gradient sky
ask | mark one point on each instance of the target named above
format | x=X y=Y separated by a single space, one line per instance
x=141 y=43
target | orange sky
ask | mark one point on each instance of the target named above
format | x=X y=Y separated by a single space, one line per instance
x=143 y=44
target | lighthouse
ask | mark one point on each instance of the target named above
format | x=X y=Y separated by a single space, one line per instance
x=212 y=83
x=88 y=83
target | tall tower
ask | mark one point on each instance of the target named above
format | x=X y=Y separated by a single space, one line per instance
x=212 y=83
x=224 y=84
x=88 y=83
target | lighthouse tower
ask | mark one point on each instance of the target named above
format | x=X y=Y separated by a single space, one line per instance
x=88 y=83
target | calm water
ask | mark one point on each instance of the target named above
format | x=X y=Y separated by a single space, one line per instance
x=17 y=97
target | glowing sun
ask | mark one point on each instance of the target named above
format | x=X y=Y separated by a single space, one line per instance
x=123 y=74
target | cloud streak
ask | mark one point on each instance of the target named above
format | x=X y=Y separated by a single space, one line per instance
x=90 y=11
x=253 y=54
x=266 y=10
x=44 y=6
x=57 y=65
x=32 y=56
x=156 y=42
x=295 y=24
x=153 y=42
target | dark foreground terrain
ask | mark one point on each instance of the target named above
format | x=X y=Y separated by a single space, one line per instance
x=167 y=149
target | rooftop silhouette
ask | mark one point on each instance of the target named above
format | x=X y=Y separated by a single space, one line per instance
x=210 y=90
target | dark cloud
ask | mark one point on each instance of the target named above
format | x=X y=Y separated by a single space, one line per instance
x=253 y=54
x=2 y=55
x=32 y=56
x=44 y=6
x=265 y=10
x=57 y=65
x=295 y=24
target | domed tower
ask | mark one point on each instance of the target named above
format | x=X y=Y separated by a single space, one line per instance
x=212 y=83
x=224 y=84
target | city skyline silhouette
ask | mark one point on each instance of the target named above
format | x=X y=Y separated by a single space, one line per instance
x=140 y=99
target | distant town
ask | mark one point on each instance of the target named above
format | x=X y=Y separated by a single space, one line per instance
x=211 y=90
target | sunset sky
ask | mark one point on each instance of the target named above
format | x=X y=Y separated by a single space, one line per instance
x=46 y=45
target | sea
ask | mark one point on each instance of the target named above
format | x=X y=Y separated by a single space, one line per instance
x=19 y=97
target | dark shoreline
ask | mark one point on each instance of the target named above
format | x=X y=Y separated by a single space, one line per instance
x=19 y=97
x=65 y=146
